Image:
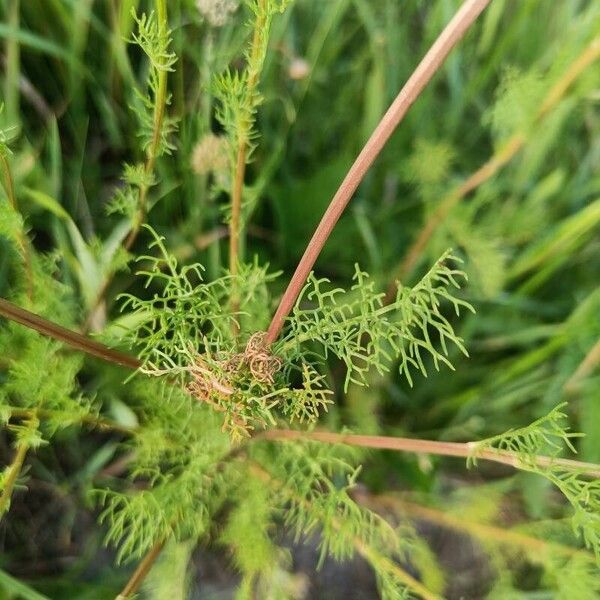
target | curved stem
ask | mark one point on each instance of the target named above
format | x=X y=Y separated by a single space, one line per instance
x=457 y=449
x=141 y=571
x=433 y=60
x=13 y=473
x=14 y=470
x=66 y=336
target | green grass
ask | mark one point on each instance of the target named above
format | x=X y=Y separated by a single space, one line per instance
x=529 y=235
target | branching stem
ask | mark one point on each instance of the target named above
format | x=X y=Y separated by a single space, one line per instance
x=458 y=449
x=367 y=552
x=433 y=60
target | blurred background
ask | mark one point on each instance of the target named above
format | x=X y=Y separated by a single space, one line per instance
x=512 y=98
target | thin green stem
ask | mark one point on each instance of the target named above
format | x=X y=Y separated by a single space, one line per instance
x=12 y=50
x=22 y=241
x=14 y=470
x=160 y=106
x=158 y=120
x=237 y=190
x=92 y=420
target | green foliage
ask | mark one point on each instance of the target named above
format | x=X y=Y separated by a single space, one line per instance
x=154 y=38
x=363 y=332
x=549 y=434
x=176 y=453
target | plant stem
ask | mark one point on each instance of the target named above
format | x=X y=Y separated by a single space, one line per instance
x=241 y=156
x=160 y=106
x=372 y=556
x=14 y=470
x=22 y=241
x=141 y=571
x=66 y=336
x=92 y=420
x=159 y=117
x=148 y=561
x=458 y=449
x=12 y=50
x=13 y=473
x=433 y=60
x=502 y=157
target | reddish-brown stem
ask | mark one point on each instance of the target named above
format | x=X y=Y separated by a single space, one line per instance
x=458 y=449
x=140 y=573
x=62 y=334
x=454 y=31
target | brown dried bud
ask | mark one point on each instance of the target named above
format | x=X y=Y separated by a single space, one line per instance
x=210 y=155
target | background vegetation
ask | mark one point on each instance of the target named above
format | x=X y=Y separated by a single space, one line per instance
x=499 y=159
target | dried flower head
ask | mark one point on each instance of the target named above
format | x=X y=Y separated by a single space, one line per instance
x=214 y=382
x=210 y=155
x=217 y=12
x=298 y=69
